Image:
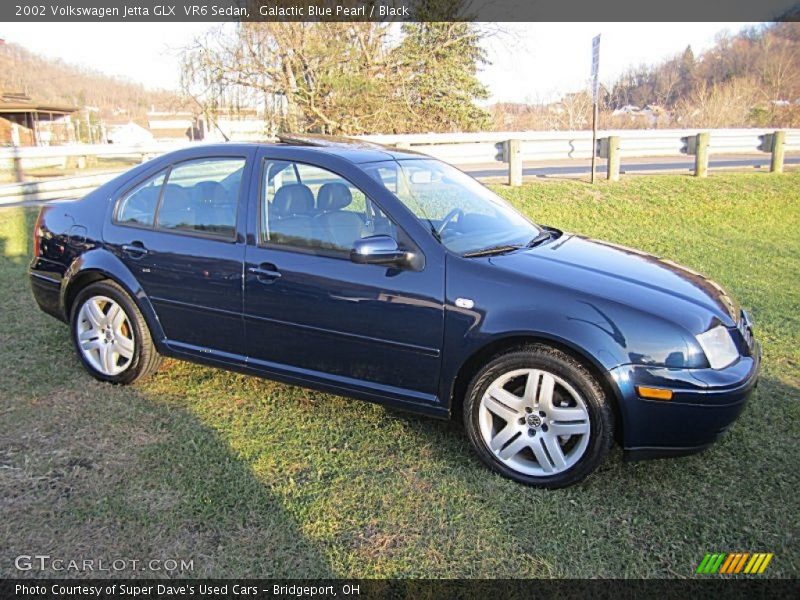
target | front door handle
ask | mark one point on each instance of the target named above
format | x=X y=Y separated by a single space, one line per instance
x=265 y=273
x=135 y=250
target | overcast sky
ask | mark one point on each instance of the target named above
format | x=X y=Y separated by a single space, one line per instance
x=529 y=61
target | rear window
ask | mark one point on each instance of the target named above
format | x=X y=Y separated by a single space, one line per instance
x=139 y=206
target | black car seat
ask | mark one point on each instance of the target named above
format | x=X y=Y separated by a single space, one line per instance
x=339 y=228
x=177 y=210
x=291 y=215
x=216 y=212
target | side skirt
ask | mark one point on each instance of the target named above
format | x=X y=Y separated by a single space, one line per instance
x=342 y=386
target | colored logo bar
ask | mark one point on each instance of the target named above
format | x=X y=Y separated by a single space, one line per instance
x=734 y=563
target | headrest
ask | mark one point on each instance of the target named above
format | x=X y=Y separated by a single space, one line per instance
x=209 y=192
x=176 y=196
x=333 y=196
x=145 y=196
x=293 y=199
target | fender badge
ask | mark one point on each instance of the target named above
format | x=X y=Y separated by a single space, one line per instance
x=464 y=303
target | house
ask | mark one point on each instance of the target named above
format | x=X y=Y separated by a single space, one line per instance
x=24 y=122
x=129 y=134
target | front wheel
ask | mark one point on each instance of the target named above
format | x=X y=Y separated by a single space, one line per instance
x=111 y=336
x=539 y=417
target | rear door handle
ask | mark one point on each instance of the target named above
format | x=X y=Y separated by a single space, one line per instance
x=265 y=273
x=135 y=250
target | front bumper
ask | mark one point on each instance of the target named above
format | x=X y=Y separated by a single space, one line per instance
x=705 y=403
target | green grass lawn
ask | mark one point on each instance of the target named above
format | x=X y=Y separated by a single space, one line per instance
x=253 y=478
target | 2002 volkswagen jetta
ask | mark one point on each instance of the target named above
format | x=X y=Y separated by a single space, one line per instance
x=392 y=277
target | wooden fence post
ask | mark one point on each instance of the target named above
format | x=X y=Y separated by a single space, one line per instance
x=19 y=175
x=514 y=153
x=778 y=141
x=701 y=155
x=612 y=164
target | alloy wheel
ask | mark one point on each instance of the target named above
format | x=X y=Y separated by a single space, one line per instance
x=105 y=335
x=534 y=422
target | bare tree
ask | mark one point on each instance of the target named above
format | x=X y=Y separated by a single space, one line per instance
x=343 y=78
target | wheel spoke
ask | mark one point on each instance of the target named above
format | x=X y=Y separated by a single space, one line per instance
x=515 y=403
x=541 y=455
x=514 y=447
x=116 y=316
x=563 y=413
x=124 y=350
x=502 y=438
x=125 y=346
x=95 y=314
x=572 y=428
x=92 y=344
x=88 y=335
x=555 y=452
x=545 y=398
x=531 y=388
x=107 y=359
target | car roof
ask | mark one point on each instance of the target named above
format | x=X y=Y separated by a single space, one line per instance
x=356 y=151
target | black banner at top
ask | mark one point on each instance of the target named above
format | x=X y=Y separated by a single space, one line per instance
x=397 y=10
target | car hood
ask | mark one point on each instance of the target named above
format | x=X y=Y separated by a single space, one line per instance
x=628 y=276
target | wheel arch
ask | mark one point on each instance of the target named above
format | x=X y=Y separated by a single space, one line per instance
x=488 y=351
x=100 y=265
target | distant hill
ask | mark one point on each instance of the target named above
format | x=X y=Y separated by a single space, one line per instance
x=747 y=79
x=751 y=78
x=55 y=81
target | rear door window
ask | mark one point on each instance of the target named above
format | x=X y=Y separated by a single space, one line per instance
x=202 y=196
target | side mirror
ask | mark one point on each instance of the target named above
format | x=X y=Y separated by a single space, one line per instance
x=379 y=250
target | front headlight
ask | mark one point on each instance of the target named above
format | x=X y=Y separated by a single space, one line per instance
x=718 y=345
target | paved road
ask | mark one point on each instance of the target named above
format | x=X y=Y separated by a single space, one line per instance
x=581 y=167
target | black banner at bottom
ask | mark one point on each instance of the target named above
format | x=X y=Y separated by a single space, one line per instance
x=368 y=589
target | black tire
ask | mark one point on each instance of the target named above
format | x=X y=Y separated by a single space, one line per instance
x=145 y=360
x=544 y=358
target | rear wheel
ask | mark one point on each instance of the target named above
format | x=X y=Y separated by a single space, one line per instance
x=111 y=336
x=536 y=415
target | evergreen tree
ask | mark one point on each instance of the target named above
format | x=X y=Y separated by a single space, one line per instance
x=439 y=85
x=687 y=73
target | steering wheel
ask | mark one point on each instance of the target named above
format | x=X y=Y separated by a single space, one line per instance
x=456 y=212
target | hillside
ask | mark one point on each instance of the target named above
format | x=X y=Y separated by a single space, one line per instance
x=751 y=78
x=55 y=81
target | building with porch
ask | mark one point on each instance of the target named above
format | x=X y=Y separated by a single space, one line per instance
x=24 y=122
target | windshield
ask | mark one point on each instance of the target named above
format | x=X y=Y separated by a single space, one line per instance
x=462 y=214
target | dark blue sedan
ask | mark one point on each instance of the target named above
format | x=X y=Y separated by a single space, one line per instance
x=392 y=277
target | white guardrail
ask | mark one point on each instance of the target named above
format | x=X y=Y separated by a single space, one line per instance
x=479 y=148
x=465 y=149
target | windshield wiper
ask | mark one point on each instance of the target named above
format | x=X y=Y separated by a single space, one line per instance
x=492 y=250
x=543 y=236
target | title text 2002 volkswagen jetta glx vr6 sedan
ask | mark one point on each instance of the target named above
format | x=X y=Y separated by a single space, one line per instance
x=392 y=277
